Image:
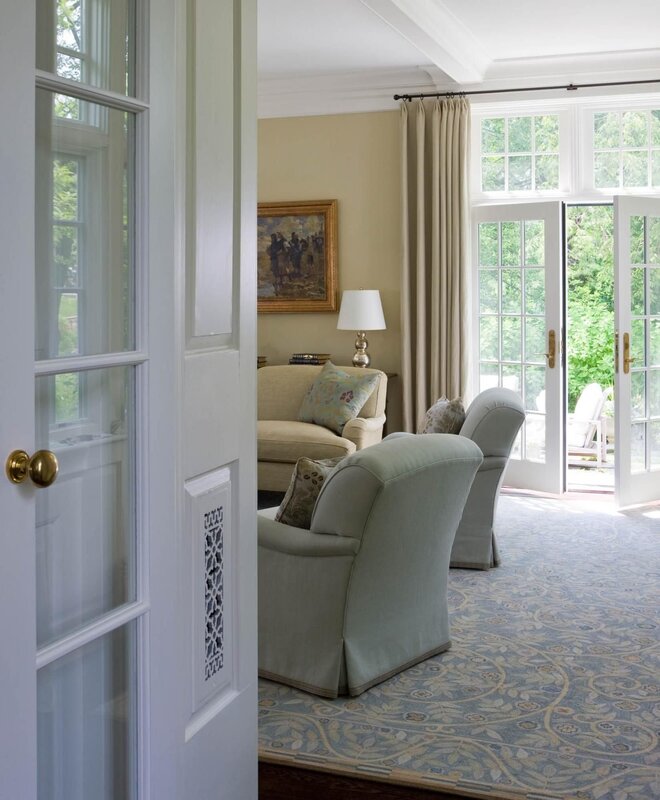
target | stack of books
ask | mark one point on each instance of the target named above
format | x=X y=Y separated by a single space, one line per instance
x=261 y=361
x=309 y=358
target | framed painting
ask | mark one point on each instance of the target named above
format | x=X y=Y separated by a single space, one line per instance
x=297 y=256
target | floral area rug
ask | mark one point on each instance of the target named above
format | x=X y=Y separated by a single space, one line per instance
x=551 y=688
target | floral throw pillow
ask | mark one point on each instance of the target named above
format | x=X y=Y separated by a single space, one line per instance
x=298 y=504
x=444 y=416
x=335 y=397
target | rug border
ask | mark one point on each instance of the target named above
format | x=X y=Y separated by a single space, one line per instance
x=402 y=777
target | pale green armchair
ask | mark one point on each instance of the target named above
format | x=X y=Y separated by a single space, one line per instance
x=363 y=594
x=492 y=422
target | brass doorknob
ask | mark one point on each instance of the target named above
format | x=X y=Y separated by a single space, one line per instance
x=41 y=468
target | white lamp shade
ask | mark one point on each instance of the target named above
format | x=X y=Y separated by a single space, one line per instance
x=361 y=310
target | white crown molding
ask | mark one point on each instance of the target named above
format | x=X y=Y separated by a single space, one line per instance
x=373 y=90
x=620 y=65
x=339 y=93
x=430 y=27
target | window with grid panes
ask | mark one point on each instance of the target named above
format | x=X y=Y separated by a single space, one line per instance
x=626 y=149
x=520 y=153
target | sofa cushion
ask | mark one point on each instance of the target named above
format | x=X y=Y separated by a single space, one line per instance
x=444 y=416
x=300 y=498
x=335 y=397
x=281 y=388
x=286 y=441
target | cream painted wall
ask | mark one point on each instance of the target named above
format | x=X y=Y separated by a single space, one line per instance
x=353 y=158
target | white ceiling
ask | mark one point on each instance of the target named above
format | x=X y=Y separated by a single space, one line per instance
x=333 y=56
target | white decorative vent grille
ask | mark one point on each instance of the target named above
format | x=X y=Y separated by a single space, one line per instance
x=214 y=591
x=210 y=523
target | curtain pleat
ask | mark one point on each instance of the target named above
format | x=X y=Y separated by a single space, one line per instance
x=435 y=274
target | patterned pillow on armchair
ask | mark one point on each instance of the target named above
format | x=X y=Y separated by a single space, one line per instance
x=444 y=416
x=308 y=477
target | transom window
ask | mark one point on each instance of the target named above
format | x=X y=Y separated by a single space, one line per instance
x=626 y=149
x=520 y=153
x=582 y=147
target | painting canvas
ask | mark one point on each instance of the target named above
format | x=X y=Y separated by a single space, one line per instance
x=297 y=256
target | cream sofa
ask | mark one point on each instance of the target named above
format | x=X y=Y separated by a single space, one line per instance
x=282 y=439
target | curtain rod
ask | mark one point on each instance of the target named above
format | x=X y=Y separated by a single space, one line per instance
x=570 y=87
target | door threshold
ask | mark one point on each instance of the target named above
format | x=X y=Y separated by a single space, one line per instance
x=587 y=489
x=573 y=493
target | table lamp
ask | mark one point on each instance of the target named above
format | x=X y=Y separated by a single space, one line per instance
x=361 y=311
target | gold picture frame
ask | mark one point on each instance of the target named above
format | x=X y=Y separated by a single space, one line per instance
x=297 y=256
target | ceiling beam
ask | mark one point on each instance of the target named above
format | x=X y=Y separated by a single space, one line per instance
x=430 y=27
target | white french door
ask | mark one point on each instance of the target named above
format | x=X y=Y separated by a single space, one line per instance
x=518 y=290
x=637 y=367
x=517 y=307
x=128 y=663
x=78 y=543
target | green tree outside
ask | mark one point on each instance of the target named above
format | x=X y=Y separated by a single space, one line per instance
x=590 y=298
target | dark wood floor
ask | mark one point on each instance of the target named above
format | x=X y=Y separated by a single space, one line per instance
x=277 y=782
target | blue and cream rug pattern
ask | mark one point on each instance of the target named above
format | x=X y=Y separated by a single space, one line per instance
x=551 y=688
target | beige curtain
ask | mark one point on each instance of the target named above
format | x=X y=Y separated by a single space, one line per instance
x=436 y=225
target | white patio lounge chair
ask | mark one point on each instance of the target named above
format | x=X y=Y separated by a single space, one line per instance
x=585 y=431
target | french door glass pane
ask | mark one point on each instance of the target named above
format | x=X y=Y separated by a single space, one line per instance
x=489 y=292
x=511 y=244
x=86 y=721
x=534 y=243
x=534 y=339
x=637 y=243
x=654 y=291
x=654 y=240
x=637 y=291
x=534 y=291
x=511 y=297
x=637 y=447
x=91 y=41
x=85 y=225
x=637 y=395
x=511 y=339
x=654 y=444
x=489 y=246
x=85 y=521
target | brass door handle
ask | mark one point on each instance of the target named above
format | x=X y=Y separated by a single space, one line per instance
x=41 y=468
x=552 y=348
x=627 y=360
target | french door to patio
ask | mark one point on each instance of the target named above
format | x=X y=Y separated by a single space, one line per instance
x=517 y=257
x=518 y=308
x=637 y=337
